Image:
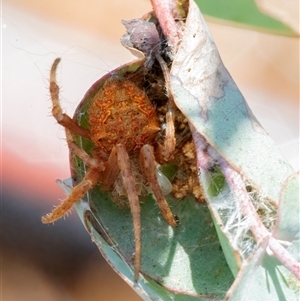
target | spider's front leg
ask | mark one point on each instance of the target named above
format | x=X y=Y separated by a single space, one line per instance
x=148 y=165
x=88 y=182
x=62 y=118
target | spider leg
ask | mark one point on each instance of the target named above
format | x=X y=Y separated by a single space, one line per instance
x=148 y=165
x=75 y=149
x=57 y=112
x=129 y=183
x=170 y=140
x=88 y=182
x=111 y=171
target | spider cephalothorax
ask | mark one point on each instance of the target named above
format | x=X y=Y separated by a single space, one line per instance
x=122 y=125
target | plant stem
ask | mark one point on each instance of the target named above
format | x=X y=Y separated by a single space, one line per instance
x=164 y=14
x=284 y=257
x=258 y=229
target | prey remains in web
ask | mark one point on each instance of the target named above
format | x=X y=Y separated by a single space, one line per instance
x=135 y=129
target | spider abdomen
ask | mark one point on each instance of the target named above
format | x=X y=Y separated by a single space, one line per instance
x=121 y=113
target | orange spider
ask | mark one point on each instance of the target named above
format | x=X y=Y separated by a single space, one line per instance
x=122 y=125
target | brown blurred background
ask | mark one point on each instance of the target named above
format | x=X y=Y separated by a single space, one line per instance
x=46 y=262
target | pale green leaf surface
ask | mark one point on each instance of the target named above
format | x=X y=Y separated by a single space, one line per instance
x=187 y=259
x=166 y=254
x=288 y=221
x=205 y=92
x=220 y=205
x=263 y=278
x=243 y=13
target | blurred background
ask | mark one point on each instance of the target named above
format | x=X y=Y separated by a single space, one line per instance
x=59 y=262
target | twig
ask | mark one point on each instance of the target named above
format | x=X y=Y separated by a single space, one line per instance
x=164 y=14
x=260 y=233
x=284 y=257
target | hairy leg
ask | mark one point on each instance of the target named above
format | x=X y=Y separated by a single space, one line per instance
x=88 y=182
x=57 y=112
x=129 y=183
x=112 y=170
x=148 y=165
x=170 y=140
x=75 y=149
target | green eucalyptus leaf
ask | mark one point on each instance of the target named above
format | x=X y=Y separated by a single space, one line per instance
x=262 y=277
x=216 y=182
x=182 y=263
x=243 y=13
x=288 y=221
x=221 y=205
x=207 y=95
x=219 y=115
